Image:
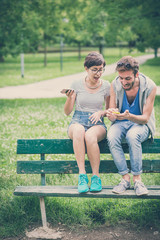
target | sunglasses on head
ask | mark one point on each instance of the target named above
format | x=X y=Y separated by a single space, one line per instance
x=126 y=65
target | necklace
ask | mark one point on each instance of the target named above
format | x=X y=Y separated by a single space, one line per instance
x=94 y=86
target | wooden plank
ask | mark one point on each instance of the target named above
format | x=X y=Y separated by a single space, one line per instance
x=44 y=146
x=43 y=212
x=71 y=191
x=65 y=146
x=70 y=167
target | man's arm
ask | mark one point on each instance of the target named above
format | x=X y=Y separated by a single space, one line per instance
x=147 y=110
x=112 y=105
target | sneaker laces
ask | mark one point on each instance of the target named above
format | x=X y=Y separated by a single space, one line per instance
x=82 y=179
x=95 y=179
x=139 y=183
x=124 y=182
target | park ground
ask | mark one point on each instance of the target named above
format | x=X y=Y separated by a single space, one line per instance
x=122 y=231
x=26 y=116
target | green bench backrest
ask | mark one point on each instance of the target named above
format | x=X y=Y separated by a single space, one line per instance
x=65 y=146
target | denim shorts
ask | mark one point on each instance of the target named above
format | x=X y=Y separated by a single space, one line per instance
x=83 y=119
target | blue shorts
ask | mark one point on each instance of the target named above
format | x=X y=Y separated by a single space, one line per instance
x=83 y=119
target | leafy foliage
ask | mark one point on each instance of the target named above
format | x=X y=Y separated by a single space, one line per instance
x=26 y=25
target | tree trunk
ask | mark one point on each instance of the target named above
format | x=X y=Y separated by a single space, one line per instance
x=101 y=48
x=1 y=58
x=45 y=50
x=45 y=56
x=155 y=52
x=79 y=51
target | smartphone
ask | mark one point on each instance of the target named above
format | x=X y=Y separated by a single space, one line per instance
x=65 y=90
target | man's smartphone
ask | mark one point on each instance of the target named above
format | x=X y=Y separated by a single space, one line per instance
x=65 y=90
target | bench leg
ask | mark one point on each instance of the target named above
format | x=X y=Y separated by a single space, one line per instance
x=43 y=212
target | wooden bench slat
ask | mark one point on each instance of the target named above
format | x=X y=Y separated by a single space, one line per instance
x=65 y=146
x=71 y=191
x=70 y=167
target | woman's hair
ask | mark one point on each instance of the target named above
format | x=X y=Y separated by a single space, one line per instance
x=127 y=63
x=94 y=59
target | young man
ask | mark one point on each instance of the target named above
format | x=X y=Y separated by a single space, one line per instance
x=131 y=111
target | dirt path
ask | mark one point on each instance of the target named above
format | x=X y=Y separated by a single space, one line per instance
x=120 y=232
x=51 y=88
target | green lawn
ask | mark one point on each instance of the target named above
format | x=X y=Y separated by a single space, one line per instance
x=10 y=70
x=44 y=118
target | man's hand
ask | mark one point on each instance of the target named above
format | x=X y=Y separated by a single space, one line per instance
x=112 y=114
x=123 y=116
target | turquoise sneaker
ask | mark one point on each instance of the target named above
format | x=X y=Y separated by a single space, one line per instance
x=96 y=185
x=82 y=183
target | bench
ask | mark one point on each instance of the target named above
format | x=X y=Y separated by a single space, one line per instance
x=64 y=146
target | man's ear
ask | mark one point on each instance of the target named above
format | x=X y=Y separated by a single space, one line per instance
x=137 y=74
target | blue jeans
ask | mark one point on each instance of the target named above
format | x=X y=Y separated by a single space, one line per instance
x=83 y=119
x=134 y=134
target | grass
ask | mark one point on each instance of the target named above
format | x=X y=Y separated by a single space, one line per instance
x=10 y=70
x=44 y=118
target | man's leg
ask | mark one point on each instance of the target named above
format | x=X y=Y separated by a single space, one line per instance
x=115 y=135
x=134 y=137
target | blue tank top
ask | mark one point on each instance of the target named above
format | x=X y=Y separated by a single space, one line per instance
x=133 y=108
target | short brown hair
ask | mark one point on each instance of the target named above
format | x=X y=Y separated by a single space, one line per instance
x=127 y=63
x=94 y=59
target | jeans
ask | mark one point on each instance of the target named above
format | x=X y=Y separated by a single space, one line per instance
x=83 y=119
x=134 y=134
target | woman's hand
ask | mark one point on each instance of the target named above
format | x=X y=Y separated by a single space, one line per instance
x=95 y=117
x=69 y=94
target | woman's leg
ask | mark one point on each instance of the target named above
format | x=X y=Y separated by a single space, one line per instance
x=77 y=134
x=92 y=136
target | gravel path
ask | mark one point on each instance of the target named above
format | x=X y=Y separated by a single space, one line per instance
x=51 y=88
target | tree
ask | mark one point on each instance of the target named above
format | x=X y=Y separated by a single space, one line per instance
x=76 y=32
x=50 y=22
x=87 y=23
x=18 y=27
x=141 y=16
x=148 y=28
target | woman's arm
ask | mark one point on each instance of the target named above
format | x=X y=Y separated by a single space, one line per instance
x=69 y=104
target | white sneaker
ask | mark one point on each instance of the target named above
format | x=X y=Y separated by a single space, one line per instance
x=140 y=189
x=121 y=187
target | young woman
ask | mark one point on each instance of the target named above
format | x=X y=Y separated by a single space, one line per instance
x=87 y=126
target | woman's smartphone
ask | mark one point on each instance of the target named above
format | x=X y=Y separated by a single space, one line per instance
x=65 y=90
